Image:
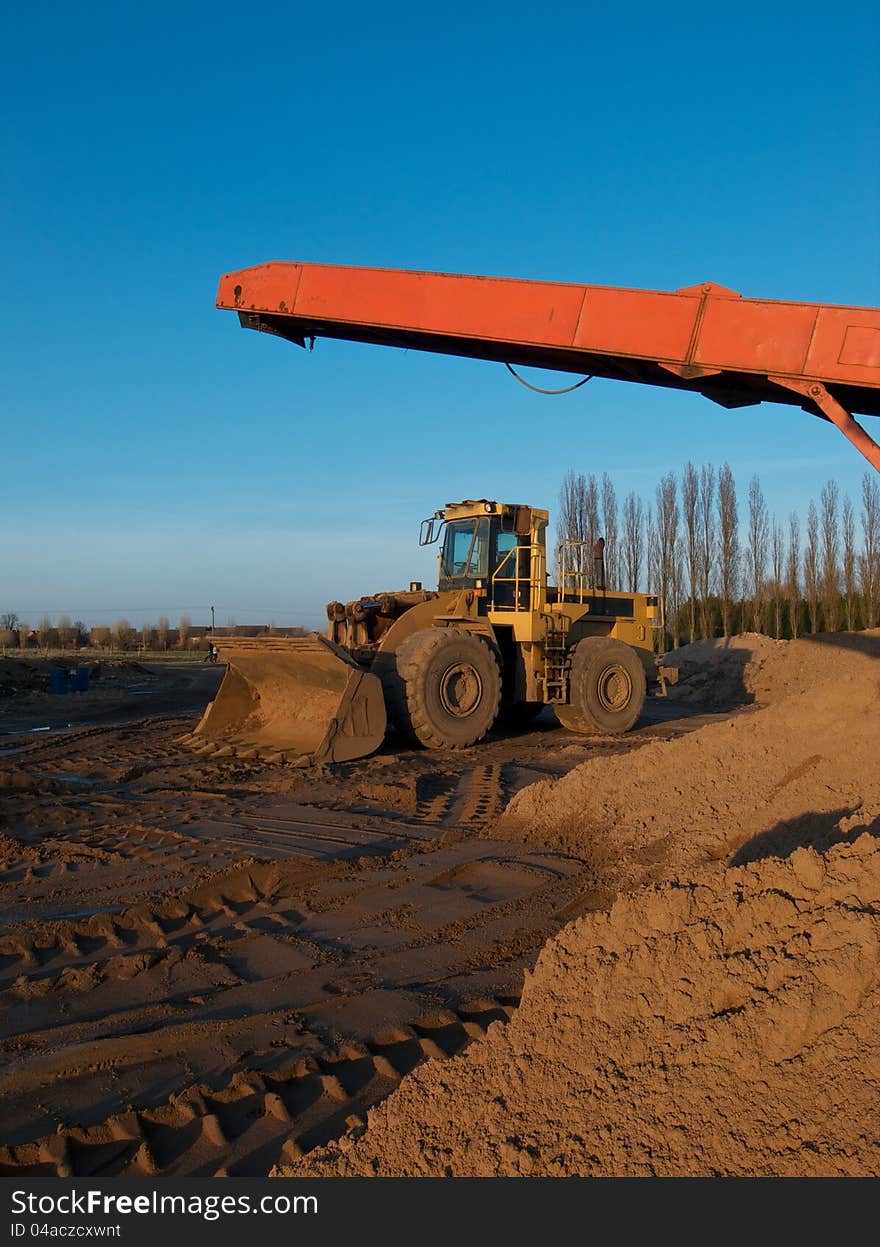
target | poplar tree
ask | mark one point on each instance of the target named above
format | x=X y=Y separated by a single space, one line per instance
x=728 y=545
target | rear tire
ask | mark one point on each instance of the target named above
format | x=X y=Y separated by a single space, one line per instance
x=443 y=688
x=607 y=688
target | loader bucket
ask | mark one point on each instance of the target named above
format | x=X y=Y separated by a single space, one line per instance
x=301 y=697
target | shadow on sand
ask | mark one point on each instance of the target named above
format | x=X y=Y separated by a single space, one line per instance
x=809 y=831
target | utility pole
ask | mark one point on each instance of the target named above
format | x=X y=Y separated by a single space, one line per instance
x=212 y=620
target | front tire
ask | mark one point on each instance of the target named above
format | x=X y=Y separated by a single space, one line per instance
x=607 y=688
x=443 y=688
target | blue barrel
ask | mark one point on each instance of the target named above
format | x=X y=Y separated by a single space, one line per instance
x=58 y=680
x=79 y=678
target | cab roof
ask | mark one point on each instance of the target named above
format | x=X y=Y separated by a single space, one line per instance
x=470 y=507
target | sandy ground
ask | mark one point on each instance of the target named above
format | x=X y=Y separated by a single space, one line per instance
x=718 y=1013
x=216 y=966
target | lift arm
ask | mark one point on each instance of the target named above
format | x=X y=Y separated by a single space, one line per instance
x=734 y=350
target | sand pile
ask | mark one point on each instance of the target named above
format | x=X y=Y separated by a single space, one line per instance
x=719 y=672
x=721 y=1014
x=732 y=671
x=22 y=675
x=18 y=676
x=800 y=770
x=727 y=1024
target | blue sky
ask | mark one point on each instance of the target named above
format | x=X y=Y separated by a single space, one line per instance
x=155 y=458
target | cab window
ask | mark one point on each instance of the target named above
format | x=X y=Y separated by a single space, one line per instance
x=466 y=550
x=504 y=544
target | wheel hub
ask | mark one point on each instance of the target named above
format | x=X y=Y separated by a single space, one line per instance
x=614 y=688
x=461 y=689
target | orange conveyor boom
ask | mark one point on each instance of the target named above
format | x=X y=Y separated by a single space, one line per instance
x=734 y=350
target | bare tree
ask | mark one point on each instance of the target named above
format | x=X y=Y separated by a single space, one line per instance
x=24 y=630
x=849 y=561
x=792 y=579
x=44 y=631
x=690 y=492
x=183 y=629
x=578 y=523
x=668 y=517
x=653 y=567
x=65 y=631
x=707 y=542
x=869 y=561
x=571 y=519
x=123 y=634
x=162 y=632
x=146 y=636
x=101 y=636
x=633 y=540
x=759 y=527
x=676 y=590
x=777 y=566
x=811 y=567
x=728 y=545
x=591 y=513
x=9 y=620
x=830 y=556
x=652 y=574
x=609 y=523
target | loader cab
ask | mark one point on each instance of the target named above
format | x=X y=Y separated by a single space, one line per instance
x=492 y=547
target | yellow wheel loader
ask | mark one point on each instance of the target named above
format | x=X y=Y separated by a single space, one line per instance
x=494 y=642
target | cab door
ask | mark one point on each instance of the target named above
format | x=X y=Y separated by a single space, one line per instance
x=511 y=570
